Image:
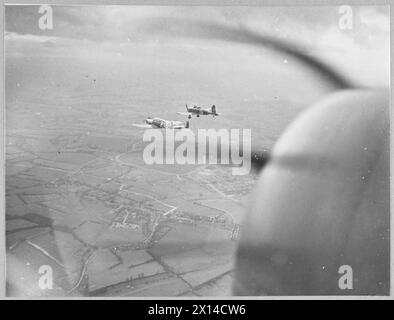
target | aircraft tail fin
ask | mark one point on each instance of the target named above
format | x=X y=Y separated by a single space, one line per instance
x=187 y=108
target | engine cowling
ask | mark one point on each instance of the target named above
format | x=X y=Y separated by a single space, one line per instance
x=322 y=202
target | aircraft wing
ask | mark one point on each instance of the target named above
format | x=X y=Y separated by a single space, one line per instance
x=184 y=113
x=146 y=126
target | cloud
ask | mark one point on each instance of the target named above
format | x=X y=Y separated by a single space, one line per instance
x=362 y=53
x=49 y=44
x=375 y=19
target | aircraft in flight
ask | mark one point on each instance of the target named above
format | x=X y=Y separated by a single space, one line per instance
x=161 y=123
x=199 y=111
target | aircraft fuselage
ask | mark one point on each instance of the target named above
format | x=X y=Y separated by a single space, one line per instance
x=161 y=123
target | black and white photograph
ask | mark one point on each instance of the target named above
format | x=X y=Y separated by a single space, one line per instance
x=195 y=151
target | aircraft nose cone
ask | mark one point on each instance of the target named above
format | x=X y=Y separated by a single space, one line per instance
x=321 y=203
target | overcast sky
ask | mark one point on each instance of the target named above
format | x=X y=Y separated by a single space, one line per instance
x=362 y=52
